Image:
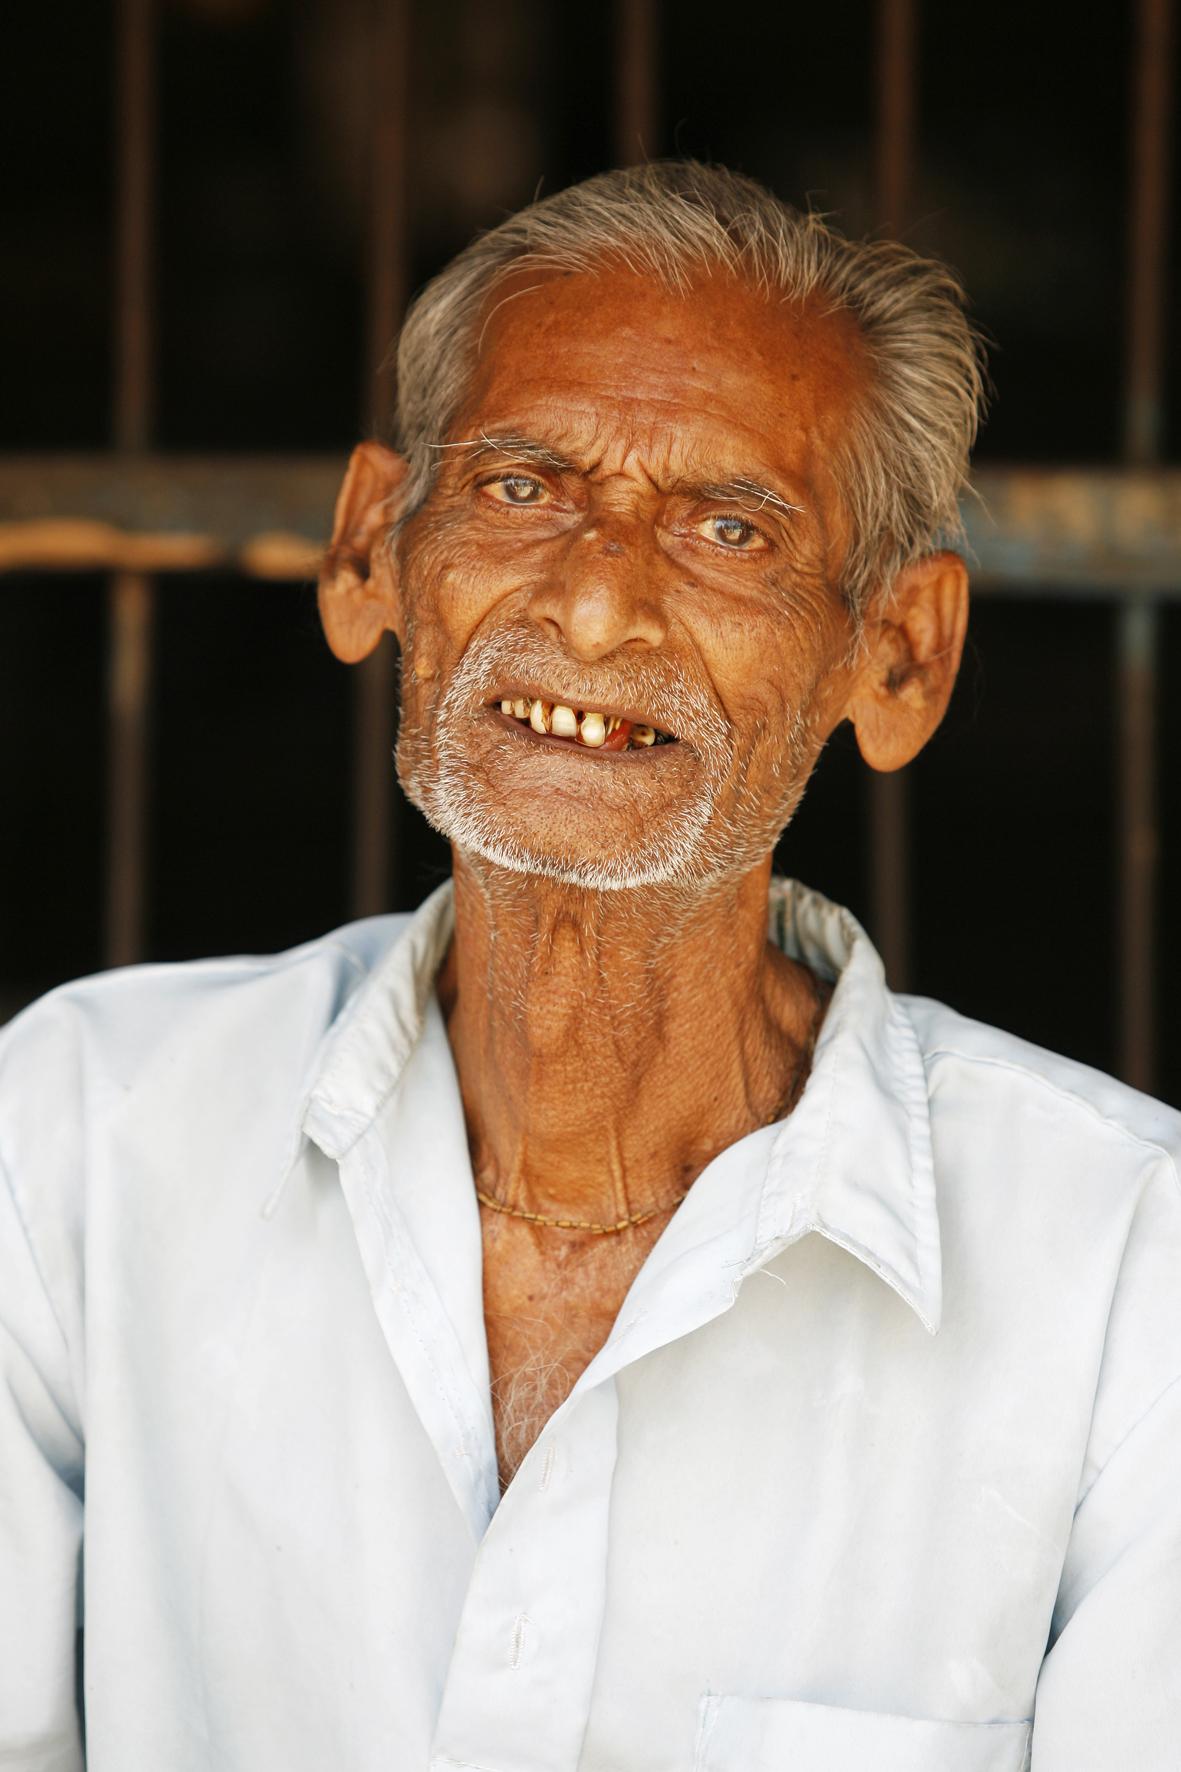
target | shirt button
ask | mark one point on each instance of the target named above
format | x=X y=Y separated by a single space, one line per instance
x=522 y=1644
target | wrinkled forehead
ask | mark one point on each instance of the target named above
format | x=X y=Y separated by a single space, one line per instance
x=594 y=344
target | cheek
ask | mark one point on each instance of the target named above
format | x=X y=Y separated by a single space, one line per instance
x=451 y=587
x=452 y=584
x=761 y=677
x=774 y=681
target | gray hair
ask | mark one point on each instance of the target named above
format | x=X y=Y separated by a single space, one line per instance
x=904 y=457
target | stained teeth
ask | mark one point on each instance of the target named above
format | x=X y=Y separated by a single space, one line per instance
x=591 y=728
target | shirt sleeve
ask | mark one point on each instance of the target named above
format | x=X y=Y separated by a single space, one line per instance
x=40 y=1516
x=1109 y=1695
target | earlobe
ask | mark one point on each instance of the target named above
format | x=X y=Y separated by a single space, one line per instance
x=914 y=646
x=359 y=591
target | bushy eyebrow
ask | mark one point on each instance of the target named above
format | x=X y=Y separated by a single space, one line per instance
x=741 y=491
x=522 y=449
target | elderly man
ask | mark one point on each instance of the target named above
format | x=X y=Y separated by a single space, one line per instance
x=593 y=1323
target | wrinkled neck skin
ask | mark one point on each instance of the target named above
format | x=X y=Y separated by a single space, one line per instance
x=610 y=1044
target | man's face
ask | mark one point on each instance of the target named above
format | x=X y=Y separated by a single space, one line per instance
x=634 y=516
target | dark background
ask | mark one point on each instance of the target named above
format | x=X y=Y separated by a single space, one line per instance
x=1021 y=182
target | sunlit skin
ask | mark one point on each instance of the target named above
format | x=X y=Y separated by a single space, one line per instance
x=609 y=1043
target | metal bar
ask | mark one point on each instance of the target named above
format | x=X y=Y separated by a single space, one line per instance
x=1148 y=206
x=374 y=715
x=130 y=601
x=386 y=282
x=894 y=147
x=1066 y=531
x=134 y=328
x=635 y=103
x=1138 y=621
x=210 y=509
x=889 y=837
x=1138 y=840
x=889 y=798
x=1032 y=532
x=374 y=738
x=1050 y=531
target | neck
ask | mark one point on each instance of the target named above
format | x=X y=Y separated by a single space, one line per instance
x=609 y=1044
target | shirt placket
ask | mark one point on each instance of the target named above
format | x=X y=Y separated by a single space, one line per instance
x=519 y=1685
x=422 y=1340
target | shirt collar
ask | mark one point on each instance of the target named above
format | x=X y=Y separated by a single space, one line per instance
x=362 y=1059
x=852 y=1161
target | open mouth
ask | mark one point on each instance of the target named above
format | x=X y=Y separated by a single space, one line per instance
x=592 y=728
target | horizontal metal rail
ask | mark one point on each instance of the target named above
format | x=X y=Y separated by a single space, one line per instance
x=1108 y=532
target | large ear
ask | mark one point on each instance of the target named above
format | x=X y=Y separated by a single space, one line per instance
x=359 y=595
x=914 y=644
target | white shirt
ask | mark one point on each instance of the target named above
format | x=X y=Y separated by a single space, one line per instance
x=880 y=1462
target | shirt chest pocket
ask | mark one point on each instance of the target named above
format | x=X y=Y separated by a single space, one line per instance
x=788 y=1735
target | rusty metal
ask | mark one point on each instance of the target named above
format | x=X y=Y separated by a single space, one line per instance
x=1044 y=532
x=635 y=103
x=1032 y=532
x=215 y=506
x=77 y=544
x=386 y=273
x=889 y=836
x=130 y=597
x=895 y=112
x=1138 y=840
x=374 y=709
x=374 y=736
x=1148 y=214
x=129 y=668
x=134 y=329
x=889 y=795
x=1138 y=621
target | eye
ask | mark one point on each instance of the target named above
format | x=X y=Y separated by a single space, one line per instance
x=734 y=533
x=516 y=489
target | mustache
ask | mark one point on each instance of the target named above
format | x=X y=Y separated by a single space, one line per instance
x=660 y=686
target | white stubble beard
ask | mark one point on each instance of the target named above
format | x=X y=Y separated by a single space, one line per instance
x=687 y=848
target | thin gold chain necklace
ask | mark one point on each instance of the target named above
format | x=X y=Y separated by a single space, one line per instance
x=823 y=993
x=577 y=1224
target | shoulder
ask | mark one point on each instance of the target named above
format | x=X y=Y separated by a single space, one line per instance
x=122 y=1015
x=1022 y=1089
x=1071 y=1180
x=153 y=1034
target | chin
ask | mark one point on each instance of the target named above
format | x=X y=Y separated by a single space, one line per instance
x=622 y=872
x=598 y=824
x=575 y=846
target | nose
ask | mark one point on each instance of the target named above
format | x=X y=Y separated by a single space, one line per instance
x=603 y=596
